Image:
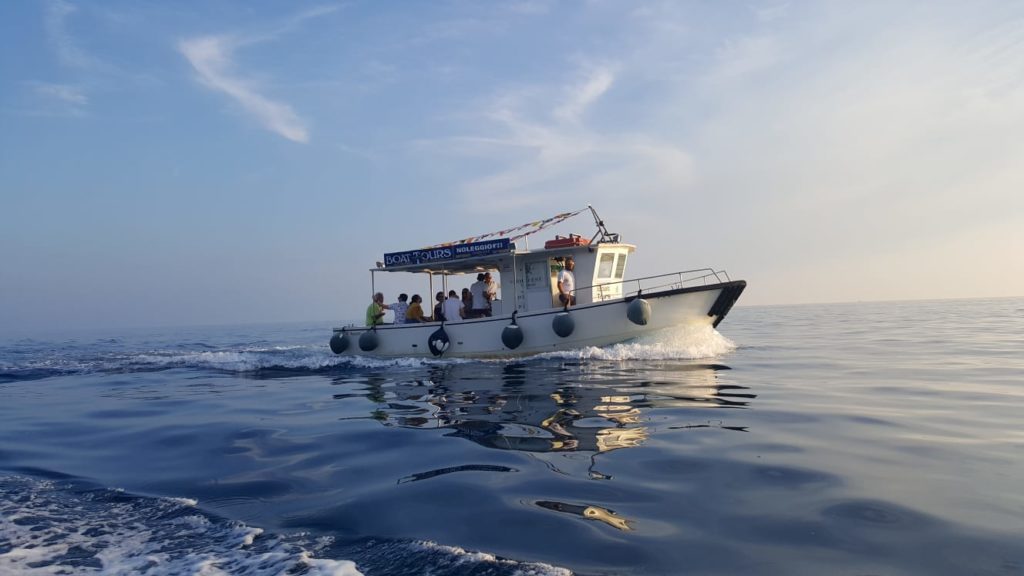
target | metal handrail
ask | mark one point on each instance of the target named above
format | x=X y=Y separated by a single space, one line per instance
x=678 y=281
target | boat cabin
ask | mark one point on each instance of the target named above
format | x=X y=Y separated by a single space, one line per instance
x=598 y=273
x=527 y=279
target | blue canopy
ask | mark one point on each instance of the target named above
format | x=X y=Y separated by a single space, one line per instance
x=441 y=254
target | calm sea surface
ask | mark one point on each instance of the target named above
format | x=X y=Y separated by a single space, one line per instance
x=852 y=439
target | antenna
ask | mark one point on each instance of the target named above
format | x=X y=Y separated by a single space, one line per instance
x=603 y=232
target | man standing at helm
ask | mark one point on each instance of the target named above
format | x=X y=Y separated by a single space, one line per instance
x=567 y=284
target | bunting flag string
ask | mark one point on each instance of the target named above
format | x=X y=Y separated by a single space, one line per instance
x=520 y=231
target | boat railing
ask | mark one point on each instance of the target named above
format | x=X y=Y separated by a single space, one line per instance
x=669 y=281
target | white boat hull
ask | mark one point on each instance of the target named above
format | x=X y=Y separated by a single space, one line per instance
x=597 y=324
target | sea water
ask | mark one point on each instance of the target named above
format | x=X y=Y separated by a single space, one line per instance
x=881 y=438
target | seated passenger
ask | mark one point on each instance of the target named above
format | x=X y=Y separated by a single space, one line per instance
x=400 y=308
x=452 y=307
x=467 y=304
x=439 y=307
x=415 y=312
x=375 y=311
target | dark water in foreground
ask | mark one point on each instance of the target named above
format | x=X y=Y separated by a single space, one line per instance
x=845 y=439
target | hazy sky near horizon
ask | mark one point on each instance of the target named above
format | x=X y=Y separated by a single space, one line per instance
x=233 y=161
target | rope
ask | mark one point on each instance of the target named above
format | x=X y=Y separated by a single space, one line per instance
x=523 y=230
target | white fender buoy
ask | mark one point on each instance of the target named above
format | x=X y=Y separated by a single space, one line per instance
x=369 y=341
x=339 y=342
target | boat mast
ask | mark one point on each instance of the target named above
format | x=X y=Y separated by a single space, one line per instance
x=603 y=232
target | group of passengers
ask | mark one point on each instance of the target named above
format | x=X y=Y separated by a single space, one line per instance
x=406 y=312
x=475 y=302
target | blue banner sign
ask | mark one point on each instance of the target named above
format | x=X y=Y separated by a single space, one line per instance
x=447 y=253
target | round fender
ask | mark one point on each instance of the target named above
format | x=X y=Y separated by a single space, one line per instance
x=438 y=342
x=369 y=341
x=639 y=311
x=339 y=342
x=563 y=324
x=512 y=336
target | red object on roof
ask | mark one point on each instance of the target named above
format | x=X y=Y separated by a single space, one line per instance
x=566 y=242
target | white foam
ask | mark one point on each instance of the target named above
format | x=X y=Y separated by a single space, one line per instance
x=463 y=556
x=278 y=357
x=50 y=528
x=682 y=343
x=687 y=343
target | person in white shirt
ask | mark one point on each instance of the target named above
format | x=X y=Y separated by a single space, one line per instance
x=481 y=307
x=567 y=284
x=400 y=308
x=453 y=307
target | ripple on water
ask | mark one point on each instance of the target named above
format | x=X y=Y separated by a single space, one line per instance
x=792 y=478
x=875 y=514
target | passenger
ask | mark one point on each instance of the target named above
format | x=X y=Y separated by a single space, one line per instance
x=481 y=307
x=439 y=307
x=567 y=284
x=467 y=304
x=400 y=308
x=491 y=292
x=375 y=311
x=452 y=307
x=415 y=312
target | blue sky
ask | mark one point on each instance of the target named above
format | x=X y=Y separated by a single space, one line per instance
x=221 y=162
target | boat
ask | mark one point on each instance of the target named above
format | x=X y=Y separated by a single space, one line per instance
x=529 y=316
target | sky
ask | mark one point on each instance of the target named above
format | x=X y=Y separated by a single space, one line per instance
x=222 y=162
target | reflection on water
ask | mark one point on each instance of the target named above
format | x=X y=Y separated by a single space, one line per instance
x=563 y=415
x=539 y=407
x=590 y=513
x=452 y=469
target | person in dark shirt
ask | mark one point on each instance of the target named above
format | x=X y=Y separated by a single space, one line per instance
x=439 y=307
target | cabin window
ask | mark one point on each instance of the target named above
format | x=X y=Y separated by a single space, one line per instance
x=604 y=269
x=620 y=266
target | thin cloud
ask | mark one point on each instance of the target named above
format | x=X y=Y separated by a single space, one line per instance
x=211 y=56
x=51 y=99
x=63 y=92
x=63 y=43
x=739 y=58
x=551 y=150
x=581 y=96
x=289 y=25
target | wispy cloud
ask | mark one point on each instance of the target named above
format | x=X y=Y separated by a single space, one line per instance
x=542 y=139
x=738 y=58
x=580 y=96
x=63 y=92
x=63 y=43
x=52 y=99
x=212 y=57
